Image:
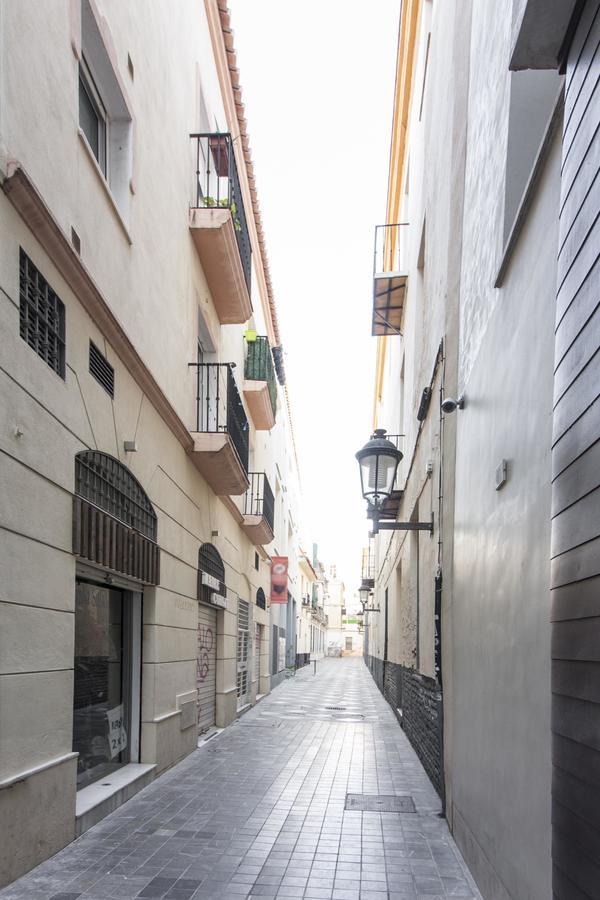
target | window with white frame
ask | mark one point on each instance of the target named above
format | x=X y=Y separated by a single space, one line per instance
x=105 y=120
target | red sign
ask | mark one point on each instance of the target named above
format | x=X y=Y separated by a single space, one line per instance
x=279 y=579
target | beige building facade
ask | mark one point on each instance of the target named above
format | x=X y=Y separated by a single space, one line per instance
x=146 y=435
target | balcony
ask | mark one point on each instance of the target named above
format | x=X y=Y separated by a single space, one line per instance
x=221 y=437
x=390 y=278
x=219 y=228
x=259 y=510
x=260 y=387
x=391 y=507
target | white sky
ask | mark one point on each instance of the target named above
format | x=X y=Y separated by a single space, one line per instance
x=317 y=80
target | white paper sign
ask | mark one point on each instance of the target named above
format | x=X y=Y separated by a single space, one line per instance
x=218 y=600
x=210 y=581
x=117 y=735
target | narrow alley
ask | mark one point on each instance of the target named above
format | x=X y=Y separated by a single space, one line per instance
x=271 y=807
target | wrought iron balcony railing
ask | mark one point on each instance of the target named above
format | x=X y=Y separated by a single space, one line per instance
x=259 y=366
x=219 y=407
x=259 y=500
x=217 y=184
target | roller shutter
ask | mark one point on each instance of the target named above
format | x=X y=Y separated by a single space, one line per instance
x=206 y=666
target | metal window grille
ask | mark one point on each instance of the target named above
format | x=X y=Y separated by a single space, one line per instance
x=243 y=647
x=41 y=315
x=109 y=485
x=259 y=367
x=210 y=561
x=101 y=370
x=259 y=499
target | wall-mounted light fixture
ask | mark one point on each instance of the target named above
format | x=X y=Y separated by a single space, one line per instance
x=378 y=462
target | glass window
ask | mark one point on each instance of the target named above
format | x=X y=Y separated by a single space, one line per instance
x=92 y=119
x=101 y=704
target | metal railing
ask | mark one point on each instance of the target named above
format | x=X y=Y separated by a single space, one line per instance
x=219 y=407
x=259 y=366
x=218 y=184
x=398 y=442
x=259 y=499
x=391 y=249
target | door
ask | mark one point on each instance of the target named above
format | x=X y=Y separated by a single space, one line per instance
x=106 y=685
x=206 y=666
x=243 y=646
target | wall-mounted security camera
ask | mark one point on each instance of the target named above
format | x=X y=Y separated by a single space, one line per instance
x=449 y=404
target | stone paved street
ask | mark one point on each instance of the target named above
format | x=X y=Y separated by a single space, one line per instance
x=259 y=811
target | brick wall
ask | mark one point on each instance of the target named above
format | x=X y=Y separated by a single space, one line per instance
x=420 y=700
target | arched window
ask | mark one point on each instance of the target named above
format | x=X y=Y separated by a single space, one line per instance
x=209 y=561
x=114 y=524
x=109 y=485
x=261 y=600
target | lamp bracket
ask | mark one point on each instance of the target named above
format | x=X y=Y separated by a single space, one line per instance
x=398 y=526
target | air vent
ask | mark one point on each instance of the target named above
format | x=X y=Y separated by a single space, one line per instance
x=102 y=370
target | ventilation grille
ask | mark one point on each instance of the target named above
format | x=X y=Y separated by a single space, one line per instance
x=102 y=370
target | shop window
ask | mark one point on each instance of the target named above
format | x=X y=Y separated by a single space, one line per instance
x=41 y=316
x=106 y=688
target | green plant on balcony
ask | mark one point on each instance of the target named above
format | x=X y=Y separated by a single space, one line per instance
x=210 y=201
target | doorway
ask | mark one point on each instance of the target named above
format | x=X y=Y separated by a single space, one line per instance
x=106 y=695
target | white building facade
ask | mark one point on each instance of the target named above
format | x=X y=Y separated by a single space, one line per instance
x=148 y=471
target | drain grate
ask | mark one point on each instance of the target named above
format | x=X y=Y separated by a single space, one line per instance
x=400 y=803
x=336 y=707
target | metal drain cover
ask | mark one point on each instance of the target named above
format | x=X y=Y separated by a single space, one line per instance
x=402 y=803
x=335 y=707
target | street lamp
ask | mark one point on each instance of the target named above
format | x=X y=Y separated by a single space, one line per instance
x=378 y=463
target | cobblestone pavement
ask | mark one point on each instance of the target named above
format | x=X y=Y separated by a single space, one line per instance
x=259 y=811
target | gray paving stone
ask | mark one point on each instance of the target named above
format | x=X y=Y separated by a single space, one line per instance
x=260 y=812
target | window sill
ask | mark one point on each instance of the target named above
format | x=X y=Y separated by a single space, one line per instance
x=105 y=185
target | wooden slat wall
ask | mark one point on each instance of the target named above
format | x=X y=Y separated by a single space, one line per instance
x=104 y=540
x=576 y=483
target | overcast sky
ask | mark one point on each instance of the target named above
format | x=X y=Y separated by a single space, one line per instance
x=318 y=80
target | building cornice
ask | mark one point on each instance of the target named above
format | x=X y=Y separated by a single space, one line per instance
x=29 y=203
x=405 y=65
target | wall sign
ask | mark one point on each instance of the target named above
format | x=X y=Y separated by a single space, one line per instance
x=279 y=579
x=211 y=581
x=117 y=734
x=218 y=600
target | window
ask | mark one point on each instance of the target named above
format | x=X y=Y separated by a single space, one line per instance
x=533 y=96
x=92 y=115
x=41 y=315
x=104 y=117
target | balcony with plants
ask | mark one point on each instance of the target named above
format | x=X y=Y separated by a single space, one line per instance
x=390 y=278
x=219 y=228
x=221 y=435
x=259 y=510
x=260 y=385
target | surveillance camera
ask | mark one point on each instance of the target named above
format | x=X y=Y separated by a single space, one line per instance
x=449 y=404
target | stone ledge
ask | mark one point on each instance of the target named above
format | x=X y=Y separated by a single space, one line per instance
x=101 y=798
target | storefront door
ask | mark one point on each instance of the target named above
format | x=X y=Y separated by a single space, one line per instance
x=106 y=679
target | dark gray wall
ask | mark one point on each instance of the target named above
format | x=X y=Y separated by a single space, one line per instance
x=576 y=483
